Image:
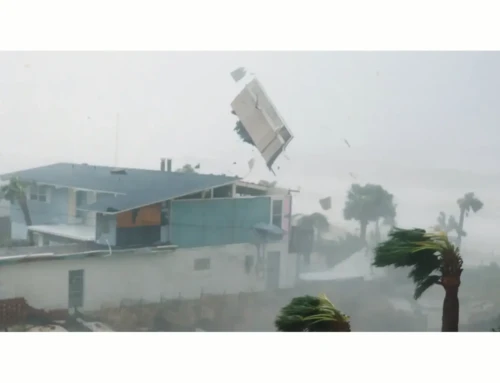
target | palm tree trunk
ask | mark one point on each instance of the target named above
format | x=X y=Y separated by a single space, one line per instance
x=460 y=226
x=451 y=309
x=23 y=204
x=362 y=231
x=377 y=231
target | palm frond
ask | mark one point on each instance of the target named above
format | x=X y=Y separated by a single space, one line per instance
x=13 y=191
x=422 y=286
x=243 y=133
x=313 y=314
x=414 y=248
x=316 y=221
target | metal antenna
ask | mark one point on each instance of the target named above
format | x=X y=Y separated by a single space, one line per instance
x=116 y=139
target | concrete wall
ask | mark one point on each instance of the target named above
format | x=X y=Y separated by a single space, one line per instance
x=5 y=229
x=109 y=280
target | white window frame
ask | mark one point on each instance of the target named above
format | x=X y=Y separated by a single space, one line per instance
x=103 y=221
x=273 y=215
x=34 y=193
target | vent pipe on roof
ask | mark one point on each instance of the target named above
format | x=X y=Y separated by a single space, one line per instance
x=162 y=164
x=169 y=165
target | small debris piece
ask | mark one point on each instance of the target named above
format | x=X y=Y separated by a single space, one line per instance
x=238 y=74
x=251 y=163
x=326 y=203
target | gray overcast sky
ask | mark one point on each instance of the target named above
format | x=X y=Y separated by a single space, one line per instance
x=398 y=110
x=177 y=104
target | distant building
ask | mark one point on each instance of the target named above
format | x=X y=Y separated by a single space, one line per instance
x=109 y=234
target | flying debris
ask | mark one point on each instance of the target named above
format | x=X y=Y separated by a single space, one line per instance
x=260 y=123
x=251 y=163
x=353 y=176
x=238 y=74
x=326 y=203
x=347 y=143
x=197 y=166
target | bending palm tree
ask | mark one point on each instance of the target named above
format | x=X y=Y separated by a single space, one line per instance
x=311 y=314
x=14 y=192
x=467 y=203
x=433 y=259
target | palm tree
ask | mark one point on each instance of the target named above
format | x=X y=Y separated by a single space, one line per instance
x=446 y=225
x=312 y=226
x=433 y=260
x=268 y=184
x=311 y=314
x=369 y=203
x=243 y=134
x=187 y=168
x=15 y=193
x=315 y=221
x=467 y=203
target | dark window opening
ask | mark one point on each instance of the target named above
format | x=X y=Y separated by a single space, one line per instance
x=285 y=134
x=75 y=296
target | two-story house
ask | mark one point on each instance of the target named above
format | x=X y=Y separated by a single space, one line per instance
x=219 y=234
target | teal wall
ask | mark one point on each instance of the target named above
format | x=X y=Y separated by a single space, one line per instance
x=214 y=222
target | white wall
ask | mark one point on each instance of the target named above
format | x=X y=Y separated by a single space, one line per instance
x=108 y=280
x=18 y=231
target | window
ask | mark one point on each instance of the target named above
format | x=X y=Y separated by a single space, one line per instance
x=285 y=134
x=81 y=199
x=202 y=264
x=39 y=193
x=165 y=208
x=103 y=224
x=75 y=290
x=277 y=216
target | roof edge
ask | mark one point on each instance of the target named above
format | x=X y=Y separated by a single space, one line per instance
x=162 y=200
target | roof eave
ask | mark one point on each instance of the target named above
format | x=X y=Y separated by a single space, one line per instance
x=162 y=200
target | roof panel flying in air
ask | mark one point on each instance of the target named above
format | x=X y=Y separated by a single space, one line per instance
x=262 y=121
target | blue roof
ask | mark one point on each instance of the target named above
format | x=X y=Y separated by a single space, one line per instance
x=136 y=188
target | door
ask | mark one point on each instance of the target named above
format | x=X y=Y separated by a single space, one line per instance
x=273 y=270
x=75 y=289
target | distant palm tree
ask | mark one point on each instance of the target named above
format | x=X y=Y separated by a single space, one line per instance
x=15 y=193
x=243 y=134
x=311 y=314
x=433 y=260
x=268 y=184
x=311 y=226
x=315 y=221
x=446 y=225
x=467 y=203
x=369 y=203
x=187 y=168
